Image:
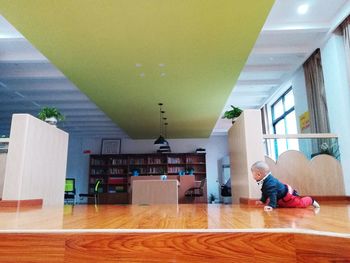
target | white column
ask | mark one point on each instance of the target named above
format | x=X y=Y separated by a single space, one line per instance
x=338 y=99
x=36 y=161
x=246 y=147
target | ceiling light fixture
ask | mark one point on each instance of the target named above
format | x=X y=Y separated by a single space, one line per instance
x=19 y=94
x=161 y=140
x=3 y=85
x=165 y=135
x=165 y=148
x=36 y=104
x=302 y=9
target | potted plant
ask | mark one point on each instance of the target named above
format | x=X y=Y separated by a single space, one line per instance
x=329 y=148
x=190 y=170
x=232 y=114
x=50 y=115
x=135 y=172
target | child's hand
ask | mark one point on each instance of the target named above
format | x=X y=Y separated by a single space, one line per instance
x=259 y=202
x=267 y=208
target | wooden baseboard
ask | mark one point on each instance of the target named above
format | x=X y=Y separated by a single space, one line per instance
x=22 y=203
x=331 y=198
x=247 y=201
x=319 y=198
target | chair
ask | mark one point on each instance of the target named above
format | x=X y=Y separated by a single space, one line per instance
x=226 y=189
x=95 y=192
x=196 y=191
x=69 y=191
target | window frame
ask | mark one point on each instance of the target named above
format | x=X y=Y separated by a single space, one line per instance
x=282 y=117
x=285 y=113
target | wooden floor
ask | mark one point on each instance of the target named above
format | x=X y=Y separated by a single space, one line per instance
x=332 y=217
x=175 y=233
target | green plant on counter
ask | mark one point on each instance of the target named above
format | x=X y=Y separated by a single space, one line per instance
x=49 y=112
x=232 y=114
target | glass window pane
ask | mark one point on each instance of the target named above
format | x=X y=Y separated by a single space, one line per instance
x=281 y=146
x=291 y=123
x=280 y=128
x=289 y=100
x=278 y=109
x=293 y=144
x=271 y=149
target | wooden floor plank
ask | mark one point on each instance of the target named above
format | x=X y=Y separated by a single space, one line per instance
x=311 y=248
x=165 y=247
x=268 y=248
x=32 y=248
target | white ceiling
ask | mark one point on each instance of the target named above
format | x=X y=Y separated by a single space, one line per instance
x=28 y=81
x=285 y=42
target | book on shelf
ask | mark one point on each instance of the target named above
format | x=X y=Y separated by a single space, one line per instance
x=119 y=162
x=175 y=160
x=119 y=188
x=117 y=180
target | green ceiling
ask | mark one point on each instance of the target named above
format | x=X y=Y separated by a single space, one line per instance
x=97 y=43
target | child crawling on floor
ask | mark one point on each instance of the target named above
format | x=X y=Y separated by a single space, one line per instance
x=276 y=194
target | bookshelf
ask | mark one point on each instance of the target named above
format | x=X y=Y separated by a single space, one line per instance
x=112 y=170
x=115 y=171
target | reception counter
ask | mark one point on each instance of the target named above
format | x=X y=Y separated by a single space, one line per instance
x=185 y=182
x=155 y=192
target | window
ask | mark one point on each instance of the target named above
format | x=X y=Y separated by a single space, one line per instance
x=284 y=122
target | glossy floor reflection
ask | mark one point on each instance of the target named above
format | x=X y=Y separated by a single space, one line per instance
x=332 y=217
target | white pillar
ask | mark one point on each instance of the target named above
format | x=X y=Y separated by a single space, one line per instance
x=246 y=147
x=338 y=99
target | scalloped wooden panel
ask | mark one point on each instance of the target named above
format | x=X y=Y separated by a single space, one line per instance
x=322 y=175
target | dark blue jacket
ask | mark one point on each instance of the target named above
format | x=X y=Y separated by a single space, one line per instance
x=273 y=189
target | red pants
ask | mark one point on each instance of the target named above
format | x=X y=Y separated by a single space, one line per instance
x=291 y=200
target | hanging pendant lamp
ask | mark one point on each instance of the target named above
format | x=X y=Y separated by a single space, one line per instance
x=165 y=148
x=161 y=140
